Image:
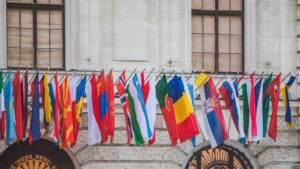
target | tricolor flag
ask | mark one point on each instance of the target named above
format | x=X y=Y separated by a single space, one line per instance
x=18 y=105
x=228 y=92
x=109 y=88
x=212 y=114
x=45 y=95
x=286 y=100
x=35 y=133
x=66 y=120
x=2 y=109
x=184 y=115
x=72 y=86
x=266 y=103
x=166 y=105
x=138 y=108
x=94 y=133
x=274 y=93
x=103 y=107
x=121 y=83
x=24 y=96
x=54 y=95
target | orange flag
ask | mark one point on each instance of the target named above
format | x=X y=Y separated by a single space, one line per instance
x=66 y=116
x=109 y=84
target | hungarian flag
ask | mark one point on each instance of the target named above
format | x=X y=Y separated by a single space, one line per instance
x=266 y=103
x=109 y=87
x=185 y=118
x=121 y=83
x=103 y=108
x=274 y=93
x=24 y=95
x=166 y=105
x=286 y=100
x=2 y=109
x=18 y=105
x=35 y=133
x=72 y=86
x=228 y=92
x=53 y=91
x=45 y=95
x=67 y=127
x=94 y=133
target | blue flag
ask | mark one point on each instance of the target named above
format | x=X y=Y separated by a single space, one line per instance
x=10 y=111
x=35 y=116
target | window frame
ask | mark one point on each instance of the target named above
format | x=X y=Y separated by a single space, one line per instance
x=216 y=13
x=34 y=6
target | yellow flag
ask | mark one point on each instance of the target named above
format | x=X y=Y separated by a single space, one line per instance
x=47 y=99
x=201 y=80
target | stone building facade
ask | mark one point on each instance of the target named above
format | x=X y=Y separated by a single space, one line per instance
x=142 y=34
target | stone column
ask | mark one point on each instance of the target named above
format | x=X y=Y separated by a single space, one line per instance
x=298 y=47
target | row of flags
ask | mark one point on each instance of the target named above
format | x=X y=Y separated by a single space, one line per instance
x=56 y=107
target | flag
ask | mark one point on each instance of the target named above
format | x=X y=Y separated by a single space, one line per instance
x=72 y=86
x=185 y=119
x=252 y=128
x=103 y=107
x=94 y=133
x=47 y=104
x=286 y=100
x=66 y=120
x=212 y=114
x=18 y=105
x=245 y=108
x=201 y=80
x=2 y=109
x=166 y=105
x=53 y=91
x=274 y=93
x=228 y=92
x=35 y=133
x=109 y=87
x=138 y=102
x=266 y=103
x=259 y=112
x=24 y=96
x=120 y=85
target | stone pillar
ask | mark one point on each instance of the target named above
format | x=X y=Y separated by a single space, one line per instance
x=298 y=47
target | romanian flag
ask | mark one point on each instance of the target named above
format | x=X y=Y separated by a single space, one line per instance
x=53 y=90
x=72 y=87
x=274 y=93
x=2 y=109
x=212 y=115
x=124 y=102
x=24 y=94
x=109 y=88
x=103 y=107
x=67 y=127
x=94 y=133
x=185 y=118
x=18 y=105
x=35 y=133
x=286 y=100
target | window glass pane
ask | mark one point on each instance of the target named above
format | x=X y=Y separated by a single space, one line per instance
x=197 y=61
x=43 y=19
x=56 y=19
x=26 y=38
x=236 y=62
x=197 y=24
x=236 y=44
x=224 y=44
x=43 y=39
x=13 y=37
x=56 y=2
x=56 y=39
x=224 y=25
x=197 y=43
x=236 y=25
x=224 y=4
x=42 y=1
x=13 y=1
x=224 y=62
x=209 y=24
x=236 y=4
x=209 y=4
x=26 y=19
x=13 y=57
x=13 y=18
x=56 y=58
x=27 y=58
x=209 y=43
x=197 y=4
x=209 y=61
x=26 y=1
x=43 y=58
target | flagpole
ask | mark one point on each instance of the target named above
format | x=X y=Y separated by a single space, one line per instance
x=190 y=75
x=159 y=74
x=130 y=77
x=173 y=72
x=150 y=73
x=119 y=77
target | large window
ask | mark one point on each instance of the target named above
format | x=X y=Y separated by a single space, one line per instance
x=35 y=33
x=217 y=35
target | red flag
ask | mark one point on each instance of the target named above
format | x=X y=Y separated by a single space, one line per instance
x=274 y=93
x=93 y=82
x=109 y=84
x=18 y=105
x=252 y=106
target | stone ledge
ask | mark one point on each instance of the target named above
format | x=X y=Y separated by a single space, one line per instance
x=132 y=165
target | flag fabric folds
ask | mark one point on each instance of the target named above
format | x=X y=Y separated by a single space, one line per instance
x=120 y=85
x=212 y=114
x=24 y=96
x=252 y=127
x=72 y=87
x=166 y=105
x=17 y=100
x=274 y=93
x=266 y=103
x=45 y=99
x=2 y=109
x=286 y=100
x=109 y=88
x=191 y=88
x=54 y=91
x=245 y=108
x=228 y=92
x=185 y=118
x=35 y=133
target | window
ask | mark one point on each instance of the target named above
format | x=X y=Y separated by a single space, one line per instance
x=35 y=33
x=217 y=35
